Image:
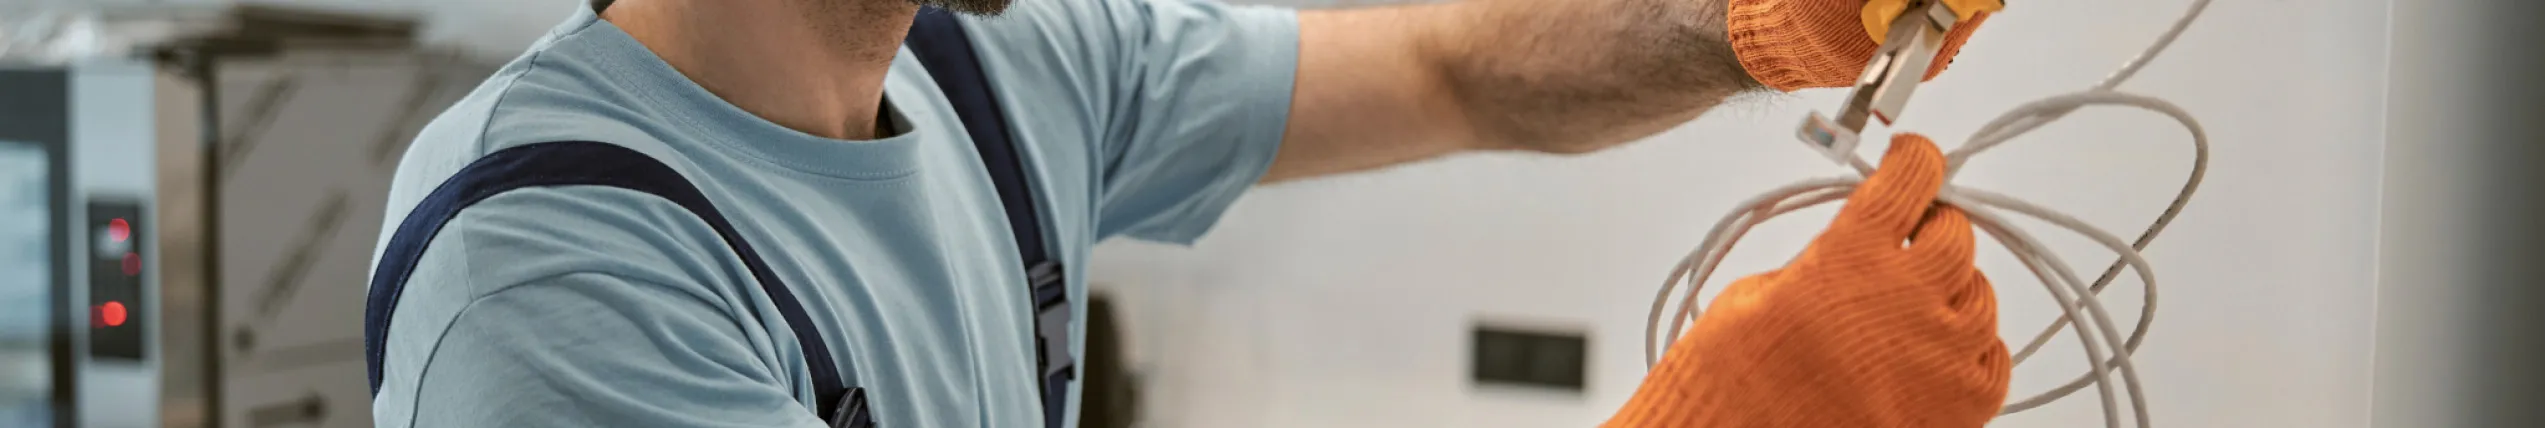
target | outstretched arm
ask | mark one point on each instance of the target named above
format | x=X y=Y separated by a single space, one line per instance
x=1382 y=86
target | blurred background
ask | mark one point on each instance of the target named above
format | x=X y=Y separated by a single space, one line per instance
x=190 y=192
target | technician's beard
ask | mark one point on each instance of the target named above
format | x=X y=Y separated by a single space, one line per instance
x=970 y=7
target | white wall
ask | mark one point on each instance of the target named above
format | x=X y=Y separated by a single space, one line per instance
x=1345 y=302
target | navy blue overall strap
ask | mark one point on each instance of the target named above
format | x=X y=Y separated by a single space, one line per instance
x=573 y=163
x=937 y=39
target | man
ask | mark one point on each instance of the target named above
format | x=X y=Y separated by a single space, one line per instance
x=826 y=147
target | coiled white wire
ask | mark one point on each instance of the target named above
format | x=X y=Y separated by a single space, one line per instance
x=2094 y=325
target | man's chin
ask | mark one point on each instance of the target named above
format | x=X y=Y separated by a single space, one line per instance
x=968 y=7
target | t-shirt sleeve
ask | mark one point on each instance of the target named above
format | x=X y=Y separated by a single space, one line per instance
x=597 y=350
x=581 y=306
x=1192 y=97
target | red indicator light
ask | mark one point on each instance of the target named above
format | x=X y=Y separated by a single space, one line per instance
x=132 y=263
x=111 y=313
x=118 y=230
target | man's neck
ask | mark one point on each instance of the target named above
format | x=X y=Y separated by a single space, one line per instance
x=815 y=66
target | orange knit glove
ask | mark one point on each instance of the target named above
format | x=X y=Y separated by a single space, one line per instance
x=1796 y=44
x=1858 y=332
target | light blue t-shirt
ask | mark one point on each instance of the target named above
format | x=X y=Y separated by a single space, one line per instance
x=596 y=306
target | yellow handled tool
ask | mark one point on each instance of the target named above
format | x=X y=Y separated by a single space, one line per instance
x=1911 y=33
x=1880 y=13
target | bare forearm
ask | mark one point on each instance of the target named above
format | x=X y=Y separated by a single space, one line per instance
x=1577 y=75
x=1391 y=85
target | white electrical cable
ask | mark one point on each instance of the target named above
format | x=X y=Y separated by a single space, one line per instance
x=2077 y=301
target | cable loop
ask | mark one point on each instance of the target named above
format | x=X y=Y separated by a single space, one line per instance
x=2106 y=351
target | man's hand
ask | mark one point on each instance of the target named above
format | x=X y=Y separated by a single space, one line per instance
x=1859 y=331
x=1796 y=44
x=1389 y=85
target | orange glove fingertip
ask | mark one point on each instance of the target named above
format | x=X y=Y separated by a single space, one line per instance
x=1944 y=238
x=1888 y=204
